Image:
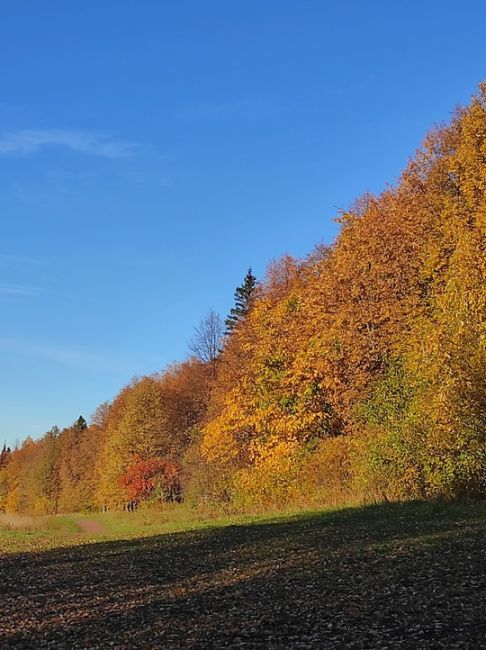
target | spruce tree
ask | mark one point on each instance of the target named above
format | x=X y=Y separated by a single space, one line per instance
x=80 y=424
x=243 y=295
x=4 y=454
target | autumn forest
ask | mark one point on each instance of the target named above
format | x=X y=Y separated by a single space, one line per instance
x=355 y=375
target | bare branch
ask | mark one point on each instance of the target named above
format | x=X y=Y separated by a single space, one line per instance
x=206 y=343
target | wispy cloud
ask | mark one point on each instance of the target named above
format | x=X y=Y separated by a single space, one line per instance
x=20 y=262
x=92 y=144
x=20 y=267
x=73 y=357
x=17 y=290
x=249 y=109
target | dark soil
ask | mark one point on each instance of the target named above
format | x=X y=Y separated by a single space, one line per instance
x=410 y=576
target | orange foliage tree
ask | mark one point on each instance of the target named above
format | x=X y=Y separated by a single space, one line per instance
x=359 y=371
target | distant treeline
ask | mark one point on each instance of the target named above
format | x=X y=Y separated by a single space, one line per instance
x=358 y=373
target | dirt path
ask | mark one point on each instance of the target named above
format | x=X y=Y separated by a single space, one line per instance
x=399 y=576
x=90 y=526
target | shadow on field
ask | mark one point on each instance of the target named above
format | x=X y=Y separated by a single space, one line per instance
x=410 y=575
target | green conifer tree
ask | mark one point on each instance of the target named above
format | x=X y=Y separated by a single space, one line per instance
x=243 y=296
x=80 y=424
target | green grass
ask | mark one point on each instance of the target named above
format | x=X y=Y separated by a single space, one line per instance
x=382 y=576
x=25 y=525
x=176 y=519
x=19 y=533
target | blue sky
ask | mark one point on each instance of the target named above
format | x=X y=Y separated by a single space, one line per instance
x=151 y=151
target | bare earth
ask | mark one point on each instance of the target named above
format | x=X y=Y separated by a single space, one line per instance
x=90 y=526
x=381 y=577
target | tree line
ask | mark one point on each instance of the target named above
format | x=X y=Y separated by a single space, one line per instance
x=357 y=373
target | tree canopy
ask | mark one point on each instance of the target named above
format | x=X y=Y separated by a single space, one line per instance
x=356 y=373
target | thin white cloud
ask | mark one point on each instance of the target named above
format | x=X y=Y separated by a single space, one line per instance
x=20 y=262
x=79 y=358
x=17 y=290
x=92 y=144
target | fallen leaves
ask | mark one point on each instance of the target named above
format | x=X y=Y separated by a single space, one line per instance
x=382 y=577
